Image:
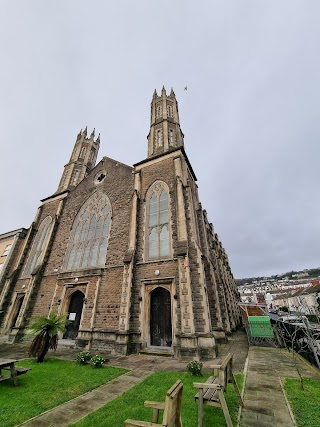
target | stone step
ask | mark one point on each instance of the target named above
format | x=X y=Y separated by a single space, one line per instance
x=157 y=352
x=64 y=343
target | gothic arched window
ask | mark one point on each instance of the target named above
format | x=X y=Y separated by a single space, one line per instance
x=171 y=137
x=89 y=235
x=83 y=152
x=159 y=111
x=158 y=233
x=38 y=246
x=158 y=138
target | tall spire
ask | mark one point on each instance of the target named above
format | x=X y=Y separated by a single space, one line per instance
x=165 y=133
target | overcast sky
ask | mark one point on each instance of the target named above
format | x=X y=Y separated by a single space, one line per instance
x=250 y=114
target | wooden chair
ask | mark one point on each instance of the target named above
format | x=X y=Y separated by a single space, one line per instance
x=212 y=391
x=171 y=410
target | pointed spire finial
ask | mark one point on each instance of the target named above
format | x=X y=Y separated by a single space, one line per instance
x=172 y=94
x=93 y=133
x=85 y=131
x=98 y=139
x=163 y=90
x=155 y=95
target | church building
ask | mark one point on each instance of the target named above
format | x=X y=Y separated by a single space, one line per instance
x=128 y=252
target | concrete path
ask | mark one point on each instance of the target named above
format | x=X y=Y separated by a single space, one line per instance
x=265 y=404
x=81 y=406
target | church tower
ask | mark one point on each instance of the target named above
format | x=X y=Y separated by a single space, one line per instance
x=82 y=160
x=165 y=133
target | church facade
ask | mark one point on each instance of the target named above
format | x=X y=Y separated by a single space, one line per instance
x=127 y=252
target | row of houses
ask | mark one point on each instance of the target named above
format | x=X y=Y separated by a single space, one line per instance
x=305 y=300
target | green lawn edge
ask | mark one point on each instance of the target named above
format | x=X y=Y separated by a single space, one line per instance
x=130 y=403
x=47 y=385
x=305 y=404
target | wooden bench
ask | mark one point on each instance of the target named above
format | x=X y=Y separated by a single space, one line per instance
x=212 y=391
x=22 y=370
x=171 y=410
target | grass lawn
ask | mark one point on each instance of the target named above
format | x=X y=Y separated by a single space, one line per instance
x=305 y=403
x=48 y=385
x=130 y=404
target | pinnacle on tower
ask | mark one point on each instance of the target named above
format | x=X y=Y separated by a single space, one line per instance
x=172 y=94
x=98 y=139
x=92 y=133
x=85 y=131
x=155 y=95
x=163 y=92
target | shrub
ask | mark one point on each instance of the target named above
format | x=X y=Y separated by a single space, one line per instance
x=195 y=368
x=83 y=357
x=97 y=361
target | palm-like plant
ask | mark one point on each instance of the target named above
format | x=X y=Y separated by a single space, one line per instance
x=46 y=330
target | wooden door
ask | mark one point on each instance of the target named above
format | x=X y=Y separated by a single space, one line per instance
x=160 y=318
x=74 y=315
x=16 y=309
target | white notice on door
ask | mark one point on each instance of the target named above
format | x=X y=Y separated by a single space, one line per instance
x=72 y=316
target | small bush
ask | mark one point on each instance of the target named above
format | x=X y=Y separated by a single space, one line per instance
x=83 y=357
x=97 y=361
x=195 y=368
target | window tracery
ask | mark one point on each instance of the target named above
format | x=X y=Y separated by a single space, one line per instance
x=38 y=246
x=158 y=221
x=89 y=235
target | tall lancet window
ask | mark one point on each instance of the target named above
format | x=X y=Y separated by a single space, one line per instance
x=159 y=111
x=89 y=235
x=158 y=221
x=171 y=137
x=159 y=139
x=82 y=152
x=38 y=246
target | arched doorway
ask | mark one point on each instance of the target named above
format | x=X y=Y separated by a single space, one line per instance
x=160 y=318
x=74 y=315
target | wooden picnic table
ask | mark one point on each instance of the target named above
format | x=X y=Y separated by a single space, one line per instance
x=8 y=364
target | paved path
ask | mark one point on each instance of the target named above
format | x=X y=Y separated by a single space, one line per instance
x=264 y=401
x=81 y=406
